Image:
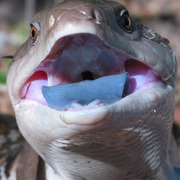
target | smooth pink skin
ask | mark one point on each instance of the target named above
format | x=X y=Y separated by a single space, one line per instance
x=32 y=87
x=140 y=75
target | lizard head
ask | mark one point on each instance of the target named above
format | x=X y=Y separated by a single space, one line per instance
x=93 y=92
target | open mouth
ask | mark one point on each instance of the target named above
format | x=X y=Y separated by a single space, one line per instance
x=82 y=71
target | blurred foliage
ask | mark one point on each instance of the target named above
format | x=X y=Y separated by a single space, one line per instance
x=2 y=74
x=20 y=32
x=2 y=78
x=21 y=28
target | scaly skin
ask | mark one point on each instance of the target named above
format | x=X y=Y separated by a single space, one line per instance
x=127 y=139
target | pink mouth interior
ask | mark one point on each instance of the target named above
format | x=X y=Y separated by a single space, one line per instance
x=140 y=75
x=32 y=87
x=80 y=61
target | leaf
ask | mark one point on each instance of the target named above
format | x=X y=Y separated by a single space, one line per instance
x=2 y=78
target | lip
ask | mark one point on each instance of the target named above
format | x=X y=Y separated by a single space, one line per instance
x=80 y=57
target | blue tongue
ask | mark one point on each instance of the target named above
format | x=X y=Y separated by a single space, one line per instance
x=106 y=89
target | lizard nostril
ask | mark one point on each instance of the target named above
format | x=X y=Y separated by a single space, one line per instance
x=51 y=21
x=96 y=15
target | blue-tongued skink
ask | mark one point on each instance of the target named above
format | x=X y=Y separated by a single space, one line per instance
x=93 y=93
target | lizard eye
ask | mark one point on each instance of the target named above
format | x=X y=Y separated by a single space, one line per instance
x=34 y=33
x=124 y=20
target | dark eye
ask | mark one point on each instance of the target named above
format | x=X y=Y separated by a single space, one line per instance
x=124 y=20
x=33 y=33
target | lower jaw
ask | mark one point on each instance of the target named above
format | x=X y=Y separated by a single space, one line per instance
x=151 y=87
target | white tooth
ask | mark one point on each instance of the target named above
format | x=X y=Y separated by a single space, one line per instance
x=94 y=103
x=76 y=105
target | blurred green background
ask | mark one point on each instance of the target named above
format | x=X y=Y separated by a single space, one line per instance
x=161 y=15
